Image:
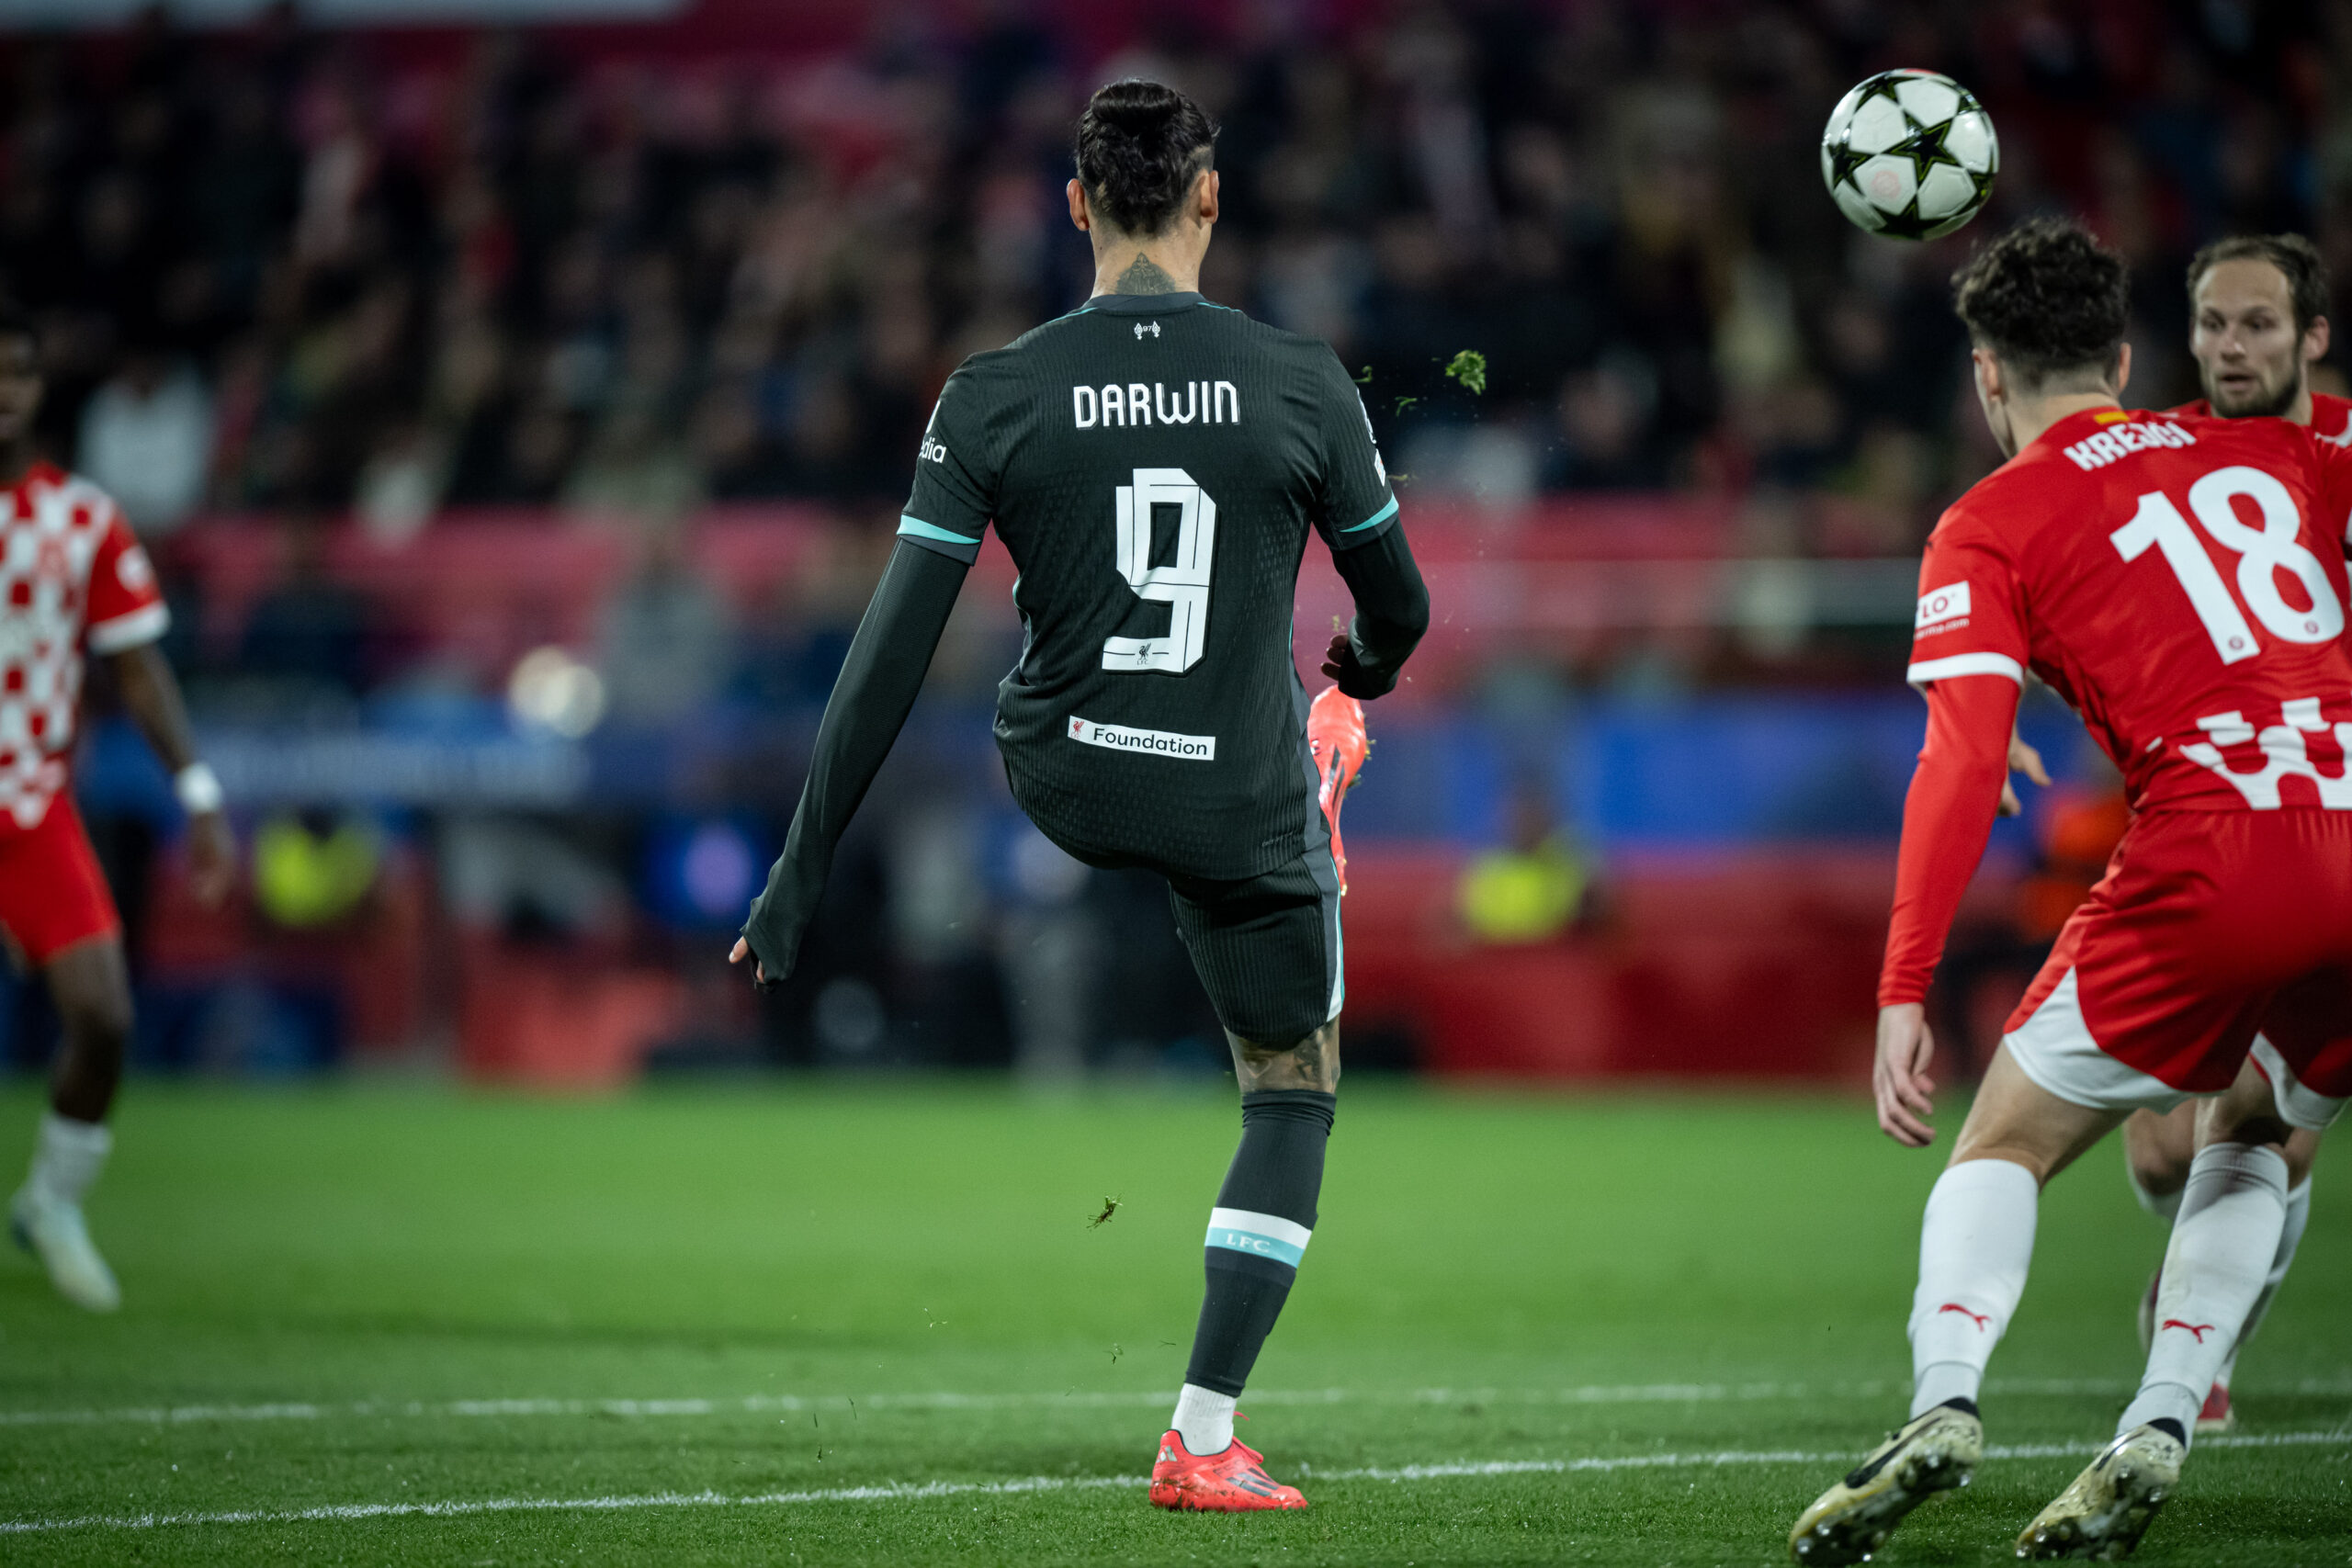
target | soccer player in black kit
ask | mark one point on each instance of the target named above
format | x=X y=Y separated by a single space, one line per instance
x=1153 y=463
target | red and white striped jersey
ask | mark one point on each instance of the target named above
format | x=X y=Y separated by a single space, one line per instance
x=71 y=574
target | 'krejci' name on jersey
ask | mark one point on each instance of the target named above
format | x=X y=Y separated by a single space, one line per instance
x=1210 y=403
x=2123 y=440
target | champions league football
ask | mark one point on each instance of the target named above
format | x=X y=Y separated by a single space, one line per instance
x=1909 y=154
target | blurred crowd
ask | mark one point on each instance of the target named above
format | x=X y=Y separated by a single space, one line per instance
x=396 y=285
x=292 y=269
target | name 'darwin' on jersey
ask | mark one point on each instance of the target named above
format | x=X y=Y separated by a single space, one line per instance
x=1210 y=403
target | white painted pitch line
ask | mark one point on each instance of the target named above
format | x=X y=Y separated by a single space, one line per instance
x=1644 y=1461
x=916 y=1492
x=784 y=1404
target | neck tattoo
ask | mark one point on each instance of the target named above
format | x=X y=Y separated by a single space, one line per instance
x=1145 y=275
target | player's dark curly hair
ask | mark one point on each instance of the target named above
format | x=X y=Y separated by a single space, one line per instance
x=2050 y=301
x=1140 y=146
x=2308 y=288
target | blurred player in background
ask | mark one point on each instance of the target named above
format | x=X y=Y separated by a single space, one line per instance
x=1153 y=463
x=2207 y=659
x=2258 y=325
x=71 y=575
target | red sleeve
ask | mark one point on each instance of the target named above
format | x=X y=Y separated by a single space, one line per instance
x=1954 y=795
x=1968 y=656
x=1971 y=619
x=126 y=606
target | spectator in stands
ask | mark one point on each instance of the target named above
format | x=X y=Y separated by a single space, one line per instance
x=147 y=440
x=399 y=489
x=1548 y=178
x=308 y=637
x=733 y=449
x=314 y=869
x=635 y=468
x=668 y=641
x=1534 y=887
x=1605 y=440
x=527 y=456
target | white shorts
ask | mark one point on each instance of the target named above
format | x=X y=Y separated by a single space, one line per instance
x=2054 y=1048
x=2298 y=1106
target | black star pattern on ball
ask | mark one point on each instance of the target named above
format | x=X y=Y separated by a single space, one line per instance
x=1926 y=145
x=1845 y=160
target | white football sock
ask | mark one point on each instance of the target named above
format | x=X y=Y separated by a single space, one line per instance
x=2232 y=1214
x=68 y=1156
x=1203 y=1419
x=1975 y=1247
x=2290 y=1236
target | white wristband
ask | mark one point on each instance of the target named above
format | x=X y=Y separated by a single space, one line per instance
x=198 y=788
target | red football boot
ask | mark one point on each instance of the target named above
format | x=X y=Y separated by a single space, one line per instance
x=2215 y=1417
x=1234 y=1482
x=1335 y=735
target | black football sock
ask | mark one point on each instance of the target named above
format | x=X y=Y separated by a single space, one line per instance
x=1264 y=1214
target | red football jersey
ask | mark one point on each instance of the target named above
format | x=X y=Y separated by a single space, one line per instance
x=2181 y=583
x=2330 y=416
x=70 y=574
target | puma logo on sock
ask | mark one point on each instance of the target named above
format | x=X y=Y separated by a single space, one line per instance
x=1980 y=1318
x=2199 y=1329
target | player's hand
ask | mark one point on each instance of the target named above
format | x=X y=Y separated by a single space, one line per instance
x=1899 y=1077
x=2023 y=758
x=740 y=952
x=211 y=858
x=1340 y=665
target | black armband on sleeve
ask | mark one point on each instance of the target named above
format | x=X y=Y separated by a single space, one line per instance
x=1392 y=610
x=886 y=661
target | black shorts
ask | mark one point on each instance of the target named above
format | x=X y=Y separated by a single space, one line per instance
x=1267 y=947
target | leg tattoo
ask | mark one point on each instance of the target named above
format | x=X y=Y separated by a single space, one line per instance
x=1312 y=1063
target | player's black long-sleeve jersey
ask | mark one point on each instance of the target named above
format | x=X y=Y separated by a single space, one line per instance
x=1153 y=464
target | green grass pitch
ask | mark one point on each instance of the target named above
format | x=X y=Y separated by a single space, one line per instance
x=793 y=1324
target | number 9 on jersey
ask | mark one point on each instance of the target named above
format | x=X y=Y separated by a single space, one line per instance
x=1182 y=585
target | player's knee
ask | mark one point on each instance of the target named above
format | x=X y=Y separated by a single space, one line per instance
x=2299 y=1151
x=2154 y=1172
x=97 y=1022
x=2157 y=1152
x=2042 y=1162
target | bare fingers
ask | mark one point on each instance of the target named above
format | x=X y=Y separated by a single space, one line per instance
x=1899 y=1079
x=2027 y=760
x=742 y=949
x=1898 y=1120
